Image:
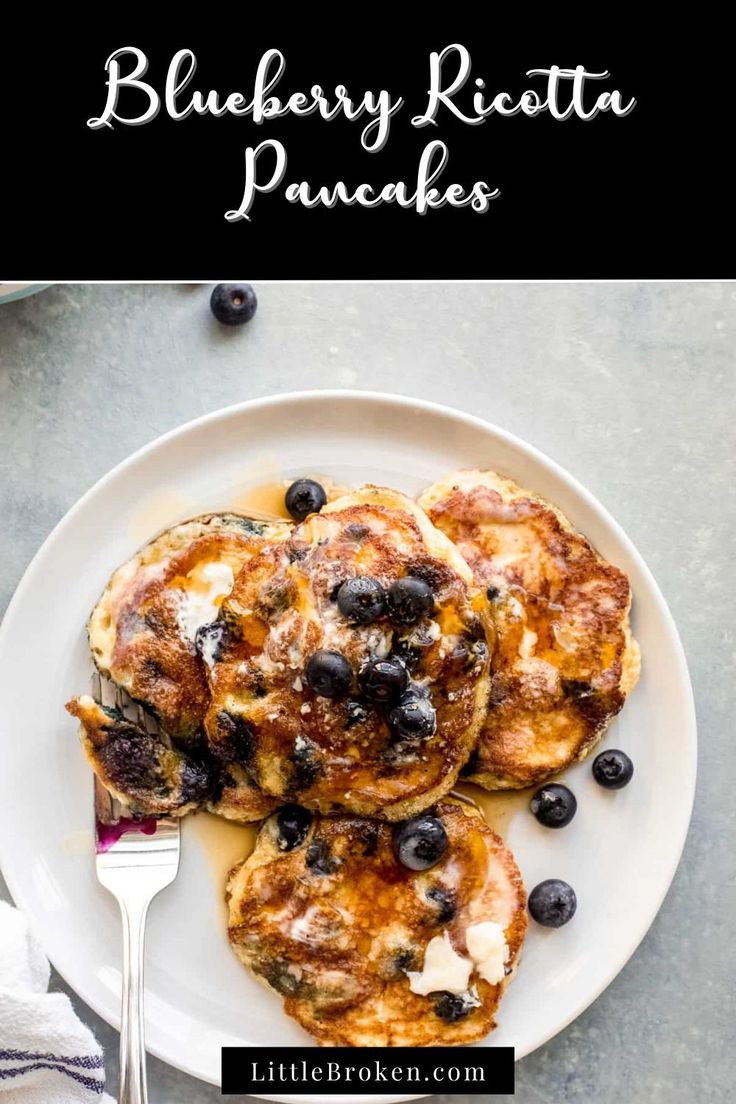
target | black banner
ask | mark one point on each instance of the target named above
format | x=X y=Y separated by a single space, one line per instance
x=515 y=151
x=347 y=1070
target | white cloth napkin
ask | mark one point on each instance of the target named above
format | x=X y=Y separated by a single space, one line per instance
x=47 y=1055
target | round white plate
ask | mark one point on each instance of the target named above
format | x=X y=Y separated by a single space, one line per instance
x=619 y=853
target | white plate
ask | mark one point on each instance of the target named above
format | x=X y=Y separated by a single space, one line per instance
x=619 y=853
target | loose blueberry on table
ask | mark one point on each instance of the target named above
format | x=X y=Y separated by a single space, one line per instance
x=421 y=842
x=613 y=769
x=233 y=304
x=329 y=674
x=552 y=903
x=554 y=805
x=305 y=497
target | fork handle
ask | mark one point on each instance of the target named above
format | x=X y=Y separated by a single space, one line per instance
x=133 y=1088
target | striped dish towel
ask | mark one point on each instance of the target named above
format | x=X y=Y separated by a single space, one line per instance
x=47 y=1055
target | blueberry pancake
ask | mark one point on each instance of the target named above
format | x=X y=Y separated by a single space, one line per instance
x=151 y=778
x=151 y=630
x=565 y=659
x=353 y=666
x=378 y=934
x=147 y=777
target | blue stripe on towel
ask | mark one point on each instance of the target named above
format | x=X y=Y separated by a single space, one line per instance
x=85 y=1061
x=88 y=1082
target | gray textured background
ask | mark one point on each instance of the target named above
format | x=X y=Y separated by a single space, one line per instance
x=629 y=386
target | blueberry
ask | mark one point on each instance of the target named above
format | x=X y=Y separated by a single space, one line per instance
x=451 y=1007
x=234 y=738
x=319 y=860
x=369 y=836
x=554 y=805
x=383 y=680
x=361 y=600
x=305 y=764
x=613 y=769
x=409 y=600
x=577 y=689
x=446 y=902
x=209 y=640
x=420 y=842
x=552 y=903
x=403 y=960
x=293 y=823
x=492 y=593
x=199 y=780
x=304 y=497
x=414 y=718
x=233 y=304
x=329 y=674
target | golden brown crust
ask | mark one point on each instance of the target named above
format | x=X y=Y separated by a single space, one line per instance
x=337 y=936
x=565 y=659
x=135 y=630
x=298 y=746
x=238 y=798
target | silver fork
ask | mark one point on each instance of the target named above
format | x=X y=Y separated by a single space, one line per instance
x=135 y=860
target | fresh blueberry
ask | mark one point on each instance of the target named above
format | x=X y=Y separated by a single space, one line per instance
x=552 y=903
x=492 y=593
x=452 y=1007
x=383 y=680
x=329 y=674
x=420 y=842
x=613 y=769
x=409 y=600
x=293 y=824
x=233 y=304
x=414 y=718
x=554 y=805
x=361 y=600
x=305 y=497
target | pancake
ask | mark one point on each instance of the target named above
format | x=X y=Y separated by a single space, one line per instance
x=145 y=631
x=565 y=659
x=150 y=778
x=342 y=754
x=342 y=930
x=136 y=767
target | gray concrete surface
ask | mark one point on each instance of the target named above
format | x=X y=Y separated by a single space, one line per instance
x=631 y=387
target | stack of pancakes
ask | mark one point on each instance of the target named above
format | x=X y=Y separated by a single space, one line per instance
x=522 y=657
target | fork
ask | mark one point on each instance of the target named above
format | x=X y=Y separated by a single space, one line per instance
x=135 y=860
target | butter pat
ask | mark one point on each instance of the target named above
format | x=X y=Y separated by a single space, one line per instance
x=199 y=604
x=444 y=969
x=488 y=949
